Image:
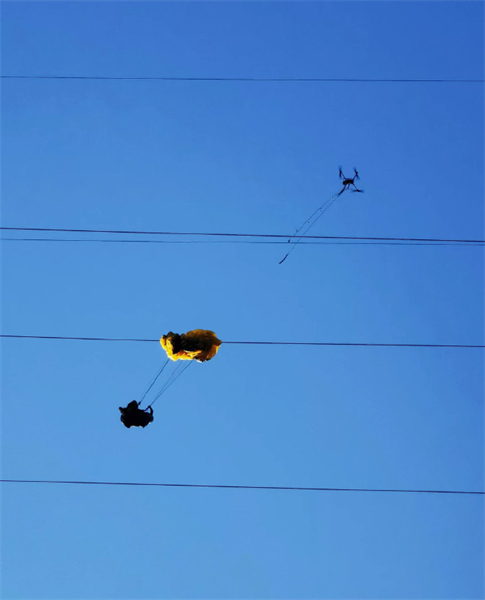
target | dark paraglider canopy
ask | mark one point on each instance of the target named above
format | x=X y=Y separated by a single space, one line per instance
x=132 y=416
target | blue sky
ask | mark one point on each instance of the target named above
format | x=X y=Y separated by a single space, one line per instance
x=247 y=158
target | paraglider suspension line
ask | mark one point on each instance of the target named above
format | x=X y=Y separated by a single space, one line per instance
x=179 y=370
x=160 y=371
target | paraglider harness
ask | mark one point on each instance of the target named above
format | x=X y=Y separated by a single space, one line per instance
x=133 y=416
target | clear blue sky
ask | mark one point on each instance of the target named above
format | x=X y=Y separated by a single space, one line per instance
x=258 y=158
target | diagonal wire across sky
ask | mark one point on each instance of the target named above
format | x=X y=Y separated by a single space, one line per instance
x=244 y=79
x=241 y=487
x=345 y=238
x=246 y=342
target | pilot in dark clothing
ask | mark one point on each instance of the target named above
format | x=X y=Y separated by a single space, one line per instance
x=132 y=416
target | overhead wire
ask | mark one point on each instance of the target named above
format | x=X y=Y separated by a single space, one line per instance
x=257 y=343
x=300 y=238
x=242 y=235
x=244 y=487
x=247 y=79
x=239 y=242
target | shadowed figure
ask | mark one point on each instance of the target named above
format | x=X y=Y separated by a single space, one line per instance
x=132 y=416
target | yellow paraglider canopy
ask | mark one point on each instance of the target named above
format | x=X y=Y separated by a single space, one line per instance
x=199 y=344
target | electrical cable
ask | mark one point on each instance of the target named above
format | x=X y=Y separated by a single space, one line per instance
x=239 y=242
x=244 y=487
x=243 y=235
x=265 y=343
x=245 y=79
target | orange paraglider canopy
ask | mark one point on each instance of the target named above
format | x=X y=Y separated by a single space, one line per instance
x=199 y=344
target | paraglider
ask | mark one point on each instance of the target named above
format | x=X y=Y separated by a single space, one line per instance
x=198 y=345
x=133 y=416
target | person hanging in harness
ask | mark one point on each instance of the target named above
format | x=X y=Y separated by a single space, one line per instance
x=132 y=416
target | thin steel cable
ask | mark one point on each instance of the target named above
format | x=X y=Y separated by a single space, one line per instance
x=244 y=487
x=262 y=343
x=246 y=79
x=239 y=235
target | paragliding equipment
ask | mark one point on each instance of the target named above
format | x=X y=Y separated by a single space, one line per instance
x=159 y=372
x=199 y=345
x=310 y=222
x=177 y=372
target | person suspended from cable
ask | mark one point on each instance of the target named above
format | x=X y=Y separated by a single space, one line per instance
x=310 y=222
x=133 y=416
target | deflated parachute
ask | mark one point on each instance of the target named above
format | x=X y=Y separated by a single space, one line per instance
x=199 y=344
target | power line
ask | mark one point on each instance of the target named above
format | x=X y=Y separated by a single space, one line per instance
x=239 y=242
x=245 y=79
x=241 y=487
x=78 y=339
x=351 y=344
x=244 y=235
